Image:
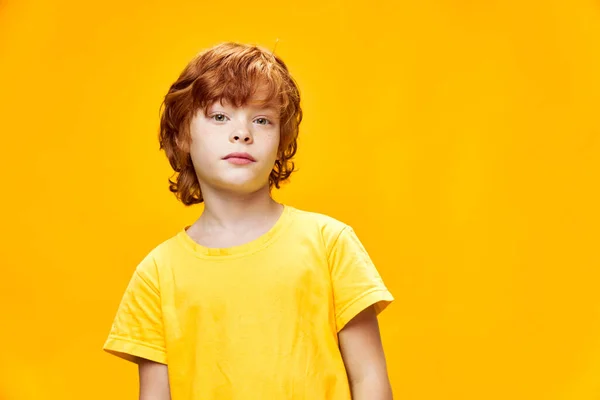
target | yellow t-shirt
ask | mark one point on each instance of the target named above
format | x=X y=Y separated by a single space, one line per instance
x=255 y=321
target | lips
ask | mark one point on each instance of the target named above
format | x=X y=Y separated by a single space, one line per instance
x=243 y=156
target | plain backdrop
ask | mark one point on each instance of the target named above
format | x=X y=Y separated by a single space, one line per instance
x=459 y=138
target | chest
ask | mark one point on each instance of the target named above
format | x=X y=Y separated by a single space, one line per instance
x=271 y=281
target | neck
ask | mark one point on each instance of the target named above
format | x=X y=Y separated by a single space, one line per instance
x=233 y=211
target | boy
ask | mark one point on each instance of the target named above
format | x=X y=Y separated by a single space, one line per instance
x=255 y=299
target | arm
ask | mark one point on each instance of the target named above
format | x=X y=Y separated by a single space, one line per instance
x=362 y=352
x=154 y=380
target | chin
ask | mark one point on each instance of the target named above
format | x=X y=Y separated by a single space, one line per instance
x=242 y=186
x=237 y=181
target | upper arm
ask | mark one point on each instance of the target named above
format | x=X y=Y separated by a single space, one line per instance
x=362 y=351
x=356 y=283
x=138 y=328
x=154 y=380
x=359 y=295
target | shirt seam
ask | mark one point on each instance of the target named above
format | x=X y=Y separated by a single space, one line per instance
x=139 y=342
x=228 y=257
x=359 y=298
x=151 y=286
x=334 y=244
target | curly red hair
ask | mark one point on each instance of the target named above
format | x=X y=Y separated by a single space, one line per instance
x=232 y=72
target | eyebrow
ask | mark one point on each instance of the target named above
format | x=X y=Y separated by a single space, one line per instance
x=267 y=107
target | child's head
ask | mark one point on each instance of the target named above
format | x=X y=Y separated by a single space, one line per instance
x=230 y=98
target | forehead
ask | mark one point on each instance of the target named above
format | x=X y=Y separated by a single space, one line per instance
x=259 y=94
x=260 y=99
x=264 y=97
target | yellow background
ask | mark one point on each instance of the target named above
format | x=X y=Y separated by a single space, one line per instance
x=459 y=138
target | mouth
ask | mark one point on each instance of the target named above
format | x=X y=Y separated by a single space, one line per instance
x=239 y=158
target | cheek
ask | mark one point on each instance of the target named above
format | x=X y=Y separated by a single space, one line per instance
x=273 y=149
x=275 y=140
x=203 y=148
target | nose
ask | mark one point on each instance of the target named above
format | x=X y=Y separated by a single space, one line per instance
x=242 y=134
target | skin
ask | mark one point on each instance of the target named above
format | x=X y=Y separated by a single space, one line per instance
x=362 y=352
x=237 y=204
x=154 y=380
x=238 y=208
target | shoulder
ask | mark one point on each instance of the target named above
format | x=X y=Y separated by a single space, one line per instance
x=158 y=256
x=327 y=226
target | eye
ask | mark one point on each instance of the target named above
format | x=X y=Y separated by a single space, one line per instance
x=263 y=121
x=219 y=117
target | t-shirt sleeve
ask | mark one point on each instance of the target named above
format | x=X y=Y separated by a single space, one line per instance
x=137 y=329
x=355 y=280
